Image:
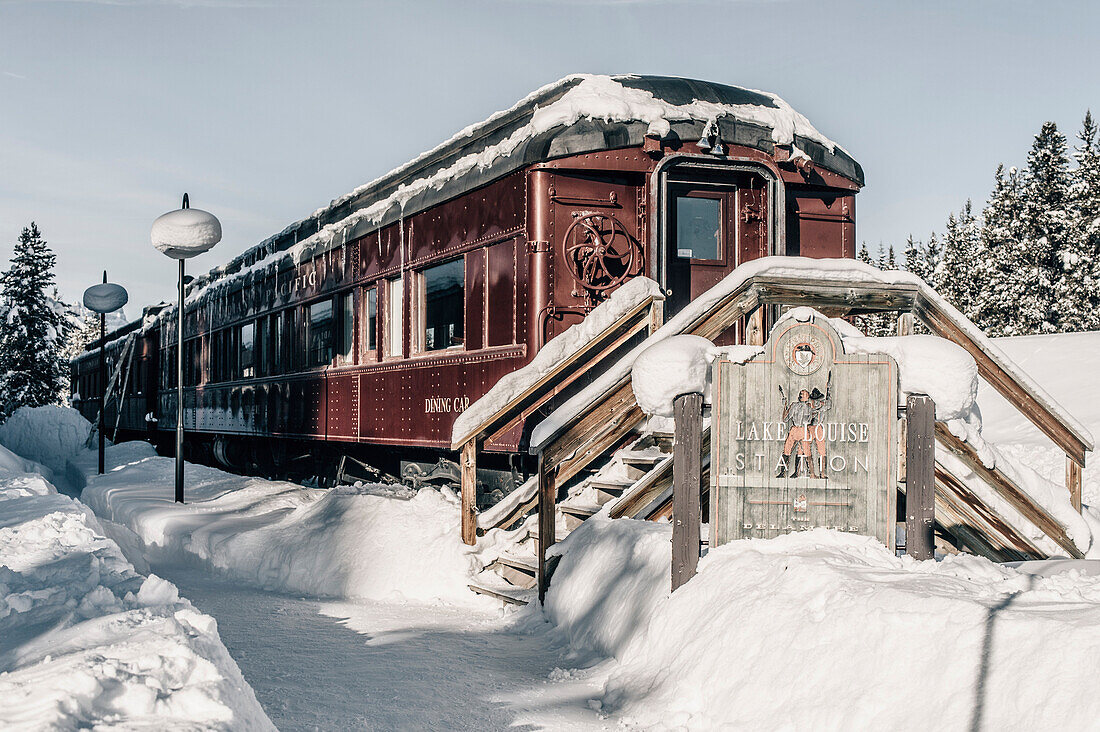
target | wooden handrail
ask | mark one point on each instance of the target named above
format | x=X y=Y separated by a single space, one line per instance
x=647 y=314
x=644 y=314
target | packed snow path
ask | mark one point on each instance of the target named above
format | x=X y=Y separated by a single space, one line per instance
x=326 y=665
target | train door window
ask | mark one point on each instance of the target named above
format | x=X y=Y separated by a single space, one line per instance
x=346 y=341
x=370 y=319
x=699 y=227
x=395 y=306
x=319 y=332
x=442 y=305
x=247 y=353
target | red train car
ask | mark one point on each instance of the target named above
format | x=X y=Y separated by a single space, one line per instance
x=365 y=328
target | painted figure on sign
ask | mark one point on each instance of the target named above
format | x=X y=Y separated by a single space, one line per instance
x=805 y=431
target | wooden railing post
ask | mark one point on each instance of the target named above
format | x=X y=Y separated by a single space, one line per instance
x=1073 y=482
x=756 y=335
x=920 y=476
x=905 y=324
x=687 y=485
x=469 y=492
x=656 y=315
x=548 y=495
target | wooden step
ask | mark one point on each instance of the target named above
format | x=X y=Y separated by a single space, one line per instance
x=512 y=597
x=608 y=490
x=559 y=535
x=517 y=571
x=638 y=465
x=576 y=514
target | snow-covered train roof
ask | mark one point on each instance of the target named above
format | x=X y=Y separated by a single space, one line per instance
x=578 y=114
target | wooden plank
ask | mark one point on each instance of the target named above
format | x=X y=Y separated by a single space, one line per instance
x=986 y=526
x=468 y=469
x=643 y=492
x=601 y=427
x=1008 y=490
x=920 y=476
x=536 y=394
x=905 y=324
x=992 y=370
x=687 y=487
x=1073 y=482
x=839 y=295
x=548 y=495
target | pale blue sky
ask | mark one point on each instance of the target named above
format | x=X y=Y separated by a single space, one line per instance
x=264 y=111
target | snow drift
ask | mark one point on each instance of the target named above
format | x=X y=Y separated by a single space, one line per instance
x=823 y=630
x=87 y=642
x=368 y=542
x=50 y=435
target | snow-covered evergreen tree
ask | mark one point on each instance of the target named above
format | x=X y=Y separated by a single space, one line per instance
x=1007 y=270
x=31 y=369
x=877 y=324
x=1077 y=291
x=83 y=328
x=955 y=275
x=1045 y=227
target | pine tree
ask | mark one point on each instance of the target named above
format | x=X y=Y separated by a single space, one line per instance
x=83 y=328
x=31 y=369
x=955 y=275
x=876 y=324
x=1007 y=270
x=1077 y=292
x=1045 y=227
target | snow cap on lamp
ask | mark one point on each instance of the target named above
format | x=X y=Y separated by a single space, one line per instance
x=105 y=298
x=186 y=232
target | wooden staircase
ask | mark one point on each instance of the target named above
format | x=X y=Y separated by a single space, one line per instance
x=625 y=478
x=591 y=461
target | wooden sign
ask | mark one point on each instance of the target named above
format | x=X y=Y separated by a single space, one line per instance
x=804 y=436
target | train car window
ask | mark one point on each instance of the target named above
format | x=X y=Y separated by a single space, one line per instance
x=395 y=306
x=370 y=321
x=319 y=336
x=261 y=346
x=501 y=305
x=290 y=341
x=442 y=304
x=698 y=227
x=247 y=353
x=278 y=357
x=346 y=347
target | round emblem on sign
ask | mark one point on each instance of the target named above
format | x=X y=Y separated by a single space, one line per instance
x=803 y=355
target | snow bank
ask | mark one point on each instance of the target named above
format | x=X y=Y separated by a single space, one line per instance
x=929 y=365
x=86 y=642
x=822 y=630
x=369 y=542
x=622 y=301
x=50 y=435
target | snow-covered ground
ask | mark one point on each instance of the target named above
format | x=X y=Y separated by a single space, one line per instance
x=349 y=607
x=823 y=630
x=88 y=642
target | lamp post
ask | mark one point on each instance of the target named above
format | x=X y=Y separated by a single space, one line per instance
x=103 y=298
x=182 y=234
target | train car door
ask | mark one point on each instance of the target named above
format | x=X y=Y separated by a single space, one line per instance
x=713 y=226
